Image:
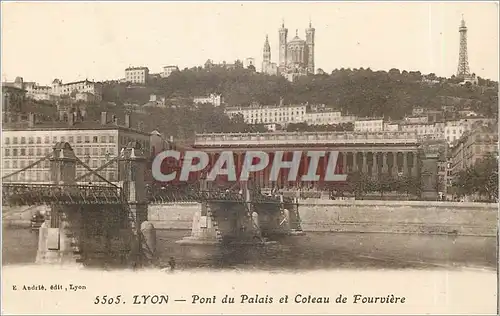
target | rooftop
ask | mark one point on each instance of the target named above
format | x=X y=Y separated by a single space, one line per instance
x=59 y=125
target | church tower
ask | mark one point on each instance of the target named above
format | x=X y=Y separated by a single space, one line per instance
x=310 y=47
x=266 y=60
x=283 y=32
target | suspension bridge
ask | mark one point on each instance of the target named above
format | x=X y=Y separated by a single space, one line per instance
x=109 y=219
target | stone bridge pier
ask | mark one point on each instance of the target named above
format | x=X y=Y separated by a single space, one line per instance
x=242 y=222
x=108 y=234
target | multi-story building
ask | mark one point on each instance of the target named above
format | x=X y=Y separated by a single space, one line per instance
x=326 y=117
x=213 y=98
x=424 y=131
x=168 y=70
x=296 y=57
x=137 y=75
x=369 y=125
x=279 y=114
x=391 y=126
x=473 y=146
x=57 y=89
x=23 y=143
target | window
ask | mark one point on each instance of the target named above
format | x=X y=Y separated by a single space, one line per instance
x=46 y=140
x=103 y=139
x=7 y=152
x=112 y=150
x=46 y=163
x=111 y=139
x=38 y=140
x=22 y=163
x=71 y=139
x=46 y=150
x=7 y=140
x=46 y=176
x=31 y=140
x=14 y=140
x=87 y=151
x=23 y=140
x=111 y=176
x=63 y=139
x=95 y=151
x=94 y=139
x=6 y=164
x=94 y=163
x=87 y=139
x=39 y=151
x=103 y=151
x=31 y=151
x=14 y=164
x=78 y=139
x=54 y=139
x=78 y=150
x=23 y=151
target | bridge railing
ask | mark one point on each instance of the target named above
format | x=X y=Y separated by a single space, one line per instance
x=35 y=194
x=169 y=196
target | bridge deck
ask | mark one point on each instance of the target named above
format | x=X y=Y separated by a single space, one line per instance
x=39 y=194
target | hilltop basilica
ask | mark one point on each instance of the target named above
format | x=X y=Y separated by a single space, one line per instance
x=296 y=57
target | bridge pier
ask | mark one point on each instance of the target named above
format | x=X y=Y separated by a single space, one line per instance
x=58 y=237
x=131 y=176
x=242 y=222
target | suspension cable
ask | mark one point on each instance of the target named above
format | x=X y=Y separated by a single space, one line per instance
x=98 y=175
x=98 y=169
x=28 y=166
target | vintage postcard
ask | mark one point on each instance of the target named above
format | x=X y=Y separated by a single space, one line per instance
x=265 y=158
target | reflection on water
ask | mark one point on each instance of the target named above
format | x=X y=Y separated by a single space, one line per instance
x=312 y=251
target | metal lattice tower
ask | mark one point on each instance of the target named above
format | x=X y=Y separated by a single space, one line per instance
x=463 y=70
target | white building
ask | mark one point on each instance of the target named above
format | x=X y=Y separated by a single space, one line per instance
x=214 y=99
x=322 y=117
x=250 y=61
x=278 y=114
x=391 y=126
x=424 y=131
x=168 y=70
x=369 y=125
x=94 y=143
x=453 y=130
x=137 y=75
x=57 y=89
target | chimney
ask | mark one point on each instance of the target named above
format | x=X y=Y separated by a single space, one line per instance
x=127 y=121
x=71 y=119
x=104 y=118
x=31 y=119
x=115 y=120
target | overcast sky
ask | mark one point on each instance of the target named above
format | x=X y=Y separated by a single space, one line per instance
x=74 y=41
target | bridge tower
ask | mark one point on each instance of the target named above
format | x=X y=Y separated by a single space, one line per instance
x=131 y=176
x=57 y=241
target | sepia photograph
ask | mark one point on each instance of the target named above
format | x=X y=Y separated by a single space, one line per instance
x=268 y=158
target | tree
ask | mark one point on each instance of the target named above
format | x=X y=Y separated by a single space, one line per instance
x=481 y=179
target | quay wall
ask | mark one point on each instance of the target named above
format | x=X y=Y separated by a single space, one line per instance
x=479 y=219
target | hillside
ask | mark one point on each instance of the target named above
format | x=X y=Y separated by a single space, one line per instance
x=360 y=92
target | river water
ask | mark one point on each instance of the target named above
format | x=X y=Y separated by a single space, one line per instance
x=313 y=251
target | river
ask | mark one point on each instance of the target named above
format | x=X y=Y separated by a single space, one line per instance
x=313 y=251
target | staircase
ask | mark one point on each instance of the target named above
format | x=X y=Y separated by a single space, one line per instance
x=215 y=225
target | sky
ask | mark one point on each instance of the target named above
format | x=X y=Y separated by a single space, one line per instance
x=97 y=41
